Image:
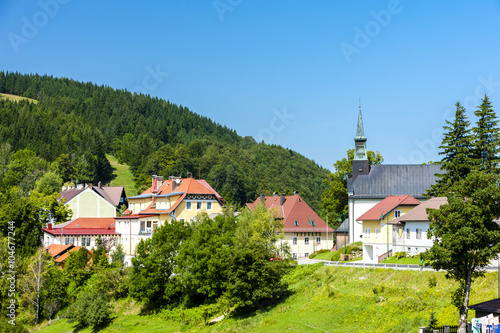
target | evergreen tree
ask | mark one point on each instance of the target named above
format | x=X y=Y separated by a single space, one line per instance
x=486 y=138
x=456 y=148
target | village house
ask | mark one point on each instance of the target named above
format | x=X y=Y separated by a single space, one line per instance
x=83 y=231
x=94 y=201
x=182 y=199
x=303 y=229
x=377 y=237
x=410 y=229
x=60 y=253
x=370 y=184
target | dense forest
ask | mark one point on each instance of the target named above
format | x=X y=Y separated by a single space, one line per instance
x=75 y=124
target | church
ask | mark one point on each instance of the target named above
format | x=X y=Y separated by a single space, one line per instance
x=370 y=184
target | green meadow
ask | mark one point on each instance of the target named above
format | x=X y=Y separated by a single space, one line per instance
x=322 y=299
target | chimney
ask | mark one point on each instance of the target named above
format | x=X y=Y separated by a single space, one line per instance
x=90 y=185
x=282 y=199
x=154 y=183
x=295 y=192
x=49 y=225
x=175 y=183
x=275 y=194
x=99 y=184
x=263 y=198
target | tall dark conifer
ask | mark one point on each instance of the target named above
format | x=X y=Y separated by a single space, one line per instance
x=486 y=138
x=456 y=148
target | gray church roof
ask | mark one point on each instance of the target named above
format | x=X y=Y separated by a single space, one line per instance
x=385 y=180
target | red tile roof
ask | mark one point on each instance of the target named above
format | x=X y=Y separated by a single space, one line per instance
x=85 y=226
x=66 y=255
x=55 y=249
x=419 y=213
x=385 y=206
x=294 y=209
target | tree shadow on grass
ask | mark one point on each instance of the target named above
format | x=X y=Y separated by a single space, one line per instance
x=264 y=305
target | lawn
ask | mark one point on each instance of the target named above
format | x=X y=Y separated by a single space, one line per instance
x=16 y=98
x=122 y=176
x=402 y=261
x=325 y=299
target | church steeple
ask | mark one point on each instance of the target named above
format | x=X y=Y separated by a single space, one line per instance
x=360 y=164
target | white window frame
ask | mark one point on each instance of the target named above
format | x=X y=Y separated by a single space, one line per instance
x=209 y=205
x=408 y=233
x=189 y=205
x=418 y=234
x=318 y=239
x=294 y=255
x=376 y=232
x=294 y=240
x=306 y=254
x=306 y=240
x=199 y=205
x=86 y=241
x=367 y=232
x=397 y=213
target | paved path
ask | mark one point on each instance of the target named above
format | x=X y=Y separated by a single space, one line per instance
x=359 y=264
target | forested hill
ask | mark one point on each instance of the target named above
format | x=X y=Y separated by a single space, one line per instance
x=76 y=123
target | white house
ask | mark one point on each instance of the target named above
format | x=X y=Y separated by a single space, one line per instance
x=410 y=230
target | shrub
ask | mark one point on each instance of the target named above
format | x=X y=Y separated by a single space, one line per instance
x=431 y=282
x=90 y=309
x=399 y=255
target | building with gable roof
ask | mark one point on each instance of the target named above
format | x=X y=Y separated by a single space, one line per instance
x=94 y=201
x=370 y=184
x=376 y=222
x=303 y=229
x=182 y=199
x=410 y=230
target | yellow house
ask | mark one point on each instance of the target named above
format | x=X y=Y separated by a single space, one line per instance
x=181 y=199
x=377 y=231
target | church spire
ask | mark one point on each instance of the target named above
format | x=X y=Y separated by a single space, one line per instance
x=360 y=132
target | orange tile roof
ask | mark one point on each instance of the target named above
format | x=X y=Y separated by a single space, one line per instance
x=66 y=255
x=91 y=222
x=294 y=209
x=84 y=226
x=55 y=249
x=385 y=206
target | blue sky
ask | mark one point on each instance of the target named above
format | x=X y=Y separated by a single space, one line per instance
x=287 y=72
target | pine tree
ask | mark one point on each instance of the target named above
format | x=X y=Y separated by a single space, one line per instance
x=456 y=148
x=486 y=138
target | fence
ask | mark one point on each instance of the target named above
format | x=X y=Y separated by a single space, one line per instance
x=445 y=329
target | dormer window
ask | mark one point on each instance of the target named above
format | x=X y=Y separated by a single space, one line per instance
x=296 y=223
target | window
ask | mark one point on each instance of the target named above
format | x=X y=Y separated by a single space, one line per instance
x=419 y=233
x=182 y=220
x=306 y=240
x=367 y=232
x=408 y=250
x=294 y=240
x=188 y=205
x=70 y=240
x=199 y=205
x=306 y=254
x=318 y=240
x=294 y=255
x=209 y=205
x=376 y=232
x=296 y=223
x=155 y=225
x=85 y=241
x=407 y=233
x=397 y=213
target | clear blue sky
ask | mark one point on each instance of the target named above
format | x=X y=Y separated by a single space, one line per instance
x=288 y=72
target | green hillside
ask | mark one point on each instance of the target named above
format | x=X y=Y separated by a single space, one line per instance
x=122 y=176
x=323 y=299
x=77 y=123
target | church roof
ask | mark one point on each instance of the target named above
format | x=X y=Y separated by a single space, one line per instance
x=386 y=180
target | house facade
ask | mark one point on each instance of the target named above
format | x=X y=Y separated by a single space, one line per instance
x=410 y=230
x=304 y=231
x=370 y=184
x=377 y=228
x=94 y=201
x=182 y=199
x=83 y=232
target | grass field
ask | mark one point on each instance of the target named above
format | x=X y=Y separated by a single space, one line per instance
x=326 y=299
x=122 y=176
x=16 y=98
